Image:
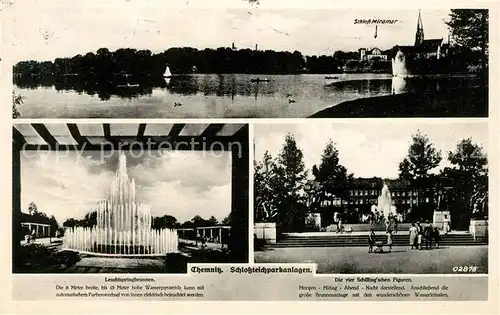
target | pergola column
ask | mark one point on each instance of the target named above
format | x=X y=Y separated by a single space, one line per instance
x=238 y=239
x=16 y=198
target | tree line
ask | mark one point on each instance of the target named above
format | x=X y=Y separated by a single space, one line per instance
x=104 y=64
x=283 y=195
x=163 y=222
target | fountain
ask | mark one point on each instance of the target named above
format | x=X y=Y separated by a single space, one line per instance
x=399 y=65
x=123 y=226
x=398 y=85
x=384 y=204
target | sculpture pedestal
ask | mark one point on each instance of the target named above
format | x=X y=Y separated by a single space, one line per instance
x=478 y=228
x=438 y=218
x=265 y=231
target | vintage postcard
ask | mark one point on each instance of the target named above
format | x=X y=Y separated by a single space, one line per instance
x=163 y=151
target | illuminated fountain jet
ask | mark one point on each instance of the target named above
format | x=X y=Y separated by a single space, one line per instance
x=399 y=65
x=123 y=225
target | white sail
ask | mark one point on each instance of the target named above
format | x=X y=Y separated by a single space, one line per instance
x=167 y=73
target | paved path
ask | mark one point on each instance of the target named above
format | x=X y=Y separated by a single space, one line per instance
x=44 y=241
x=401 y=260
x=208 y=245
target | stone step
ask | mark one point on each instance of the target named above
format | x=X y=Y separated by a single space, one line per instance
x=364 y=243
x=279 y=245
x=345 y=240
x=340 y=240
x=397 y=236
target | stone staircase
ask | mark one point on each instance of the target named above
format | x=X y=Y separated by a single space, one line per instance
x=354 y=240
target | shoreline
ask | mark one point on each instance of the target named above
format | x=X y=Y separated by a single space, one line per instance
x=466 y=102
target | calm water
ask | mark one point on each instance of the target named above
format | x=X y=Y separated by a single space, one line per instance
x=210 y=96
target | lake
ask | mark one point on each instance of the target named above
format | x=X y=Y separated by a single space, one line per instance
x=215 y=96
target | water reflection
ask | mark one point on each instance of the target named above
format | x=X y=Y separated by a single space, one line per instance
x=213 y=95
x=220 y=85
x=361 y=87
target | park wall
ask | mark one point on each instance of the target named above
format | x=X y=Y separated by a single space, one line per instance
x=265 y=231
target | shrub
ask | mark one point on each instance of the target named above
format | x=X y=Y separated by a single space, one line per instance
x=259 y=244
x=17 y=100
x=40 y=258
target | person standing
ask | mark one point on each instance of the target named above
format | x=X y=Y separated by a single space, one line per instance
x=428 y=231
x=413 y=236
x=339 y=225
x=446 y=225
x=389 y=240
x=336 y=220
x=198 y=237
x=371 y=241
x=437 y=237
x=419 y=239
x=419 y=228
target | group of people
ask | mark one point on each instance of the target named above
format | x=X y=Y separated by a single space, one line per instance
x=372 y=240
x=204 y=240
x=391 y=223
x=420 y=236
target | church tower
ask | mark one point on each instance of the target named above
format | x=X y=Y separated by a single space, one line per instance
x=419 y=36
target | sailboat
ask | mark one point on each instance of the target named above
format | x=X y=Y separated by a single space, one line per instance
x=167 y=73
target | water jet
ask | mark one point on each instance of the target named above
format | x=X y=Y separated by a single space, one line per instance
x=123 y=226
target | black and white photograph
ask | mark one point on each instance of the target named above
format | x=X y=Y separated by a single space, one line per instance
x=128 y=198
x=250 y=151
x=373 y=197
x=138 y=61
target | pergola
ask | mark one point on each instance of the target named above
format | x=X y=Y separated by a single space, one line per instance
x=153 y=136
x=211 y=232
x=41 y=229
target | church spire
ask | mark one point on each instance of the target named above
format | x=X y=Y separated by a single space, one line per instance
x=419 y=36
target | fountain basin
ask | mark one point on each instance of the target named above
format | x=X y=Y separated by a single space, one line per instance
x=102 y=241
x=118 y=255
